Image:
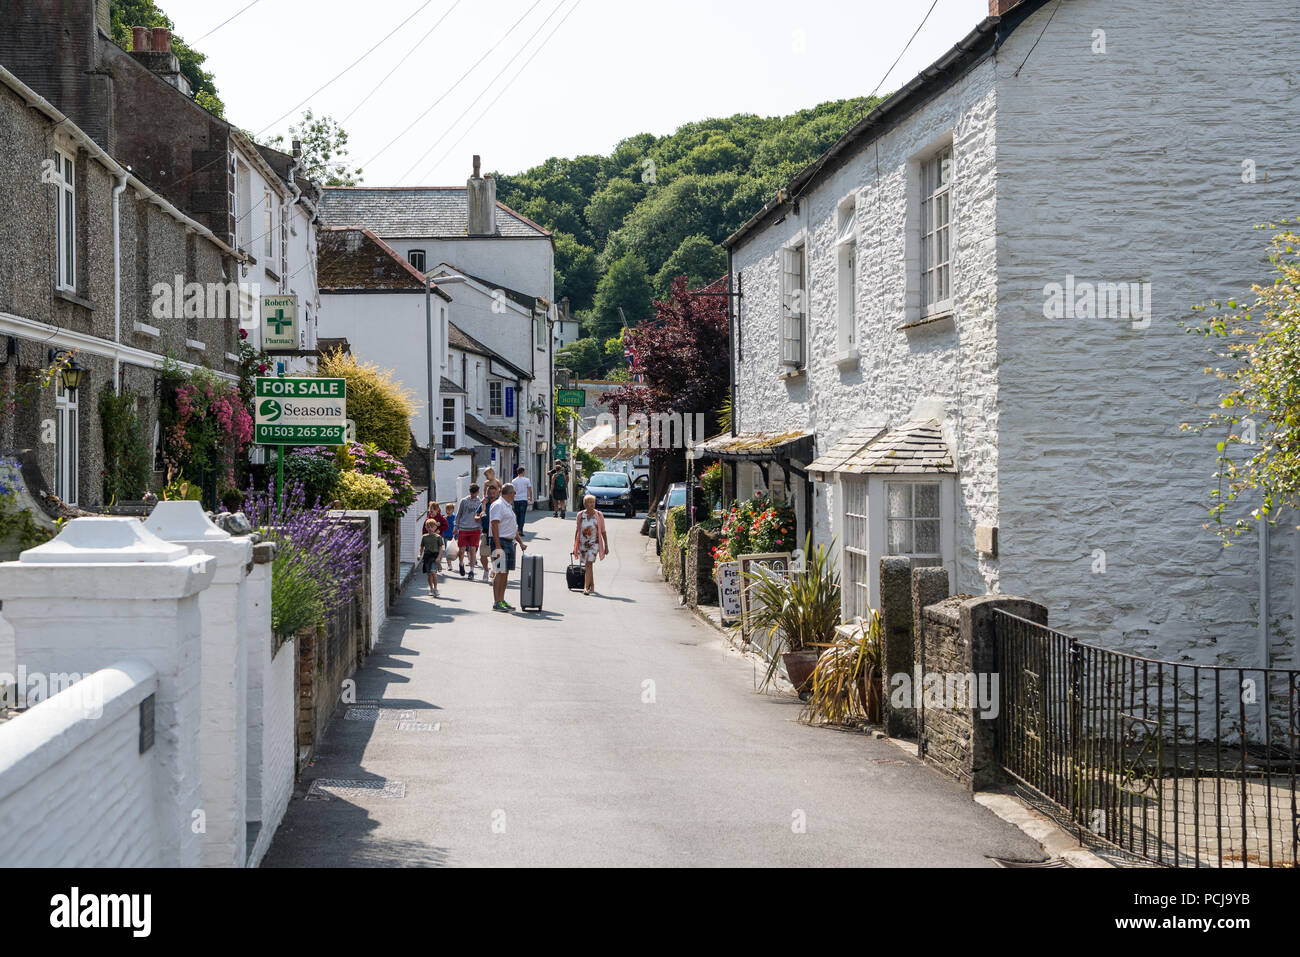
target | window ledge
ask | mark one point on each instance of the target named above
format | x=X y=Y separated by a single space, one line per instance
x=68 y=296
x=231 y=357
x=147 y=330
x=271 y=274
x=848 y=359
x=793 y=373
x=940 y=321
x=196 y=345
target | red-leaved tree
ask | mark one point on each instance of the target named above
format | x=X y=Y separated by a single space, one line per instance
x=683 y=353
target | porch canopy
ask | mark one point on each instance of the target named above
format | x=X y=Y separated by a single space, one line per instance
x=912 y=448
x=629 y=444
x=758 y=447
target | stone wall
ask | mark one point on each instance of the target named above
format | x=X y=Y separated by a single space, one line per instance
x=701 y=589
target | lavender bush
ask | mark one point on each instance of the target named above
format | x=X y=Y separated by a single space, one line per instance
x=320 y=560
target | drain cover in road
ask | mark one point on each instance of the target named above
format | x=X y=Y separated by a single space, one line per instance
x=361 y=714
x=323 y=789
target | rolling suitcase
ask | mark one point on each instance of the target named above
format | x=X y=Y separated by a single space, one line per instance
x=530 y=583
x=575 y=576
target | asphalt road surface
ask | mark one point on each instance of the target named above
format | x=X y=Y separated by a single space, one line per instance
x=612 y=730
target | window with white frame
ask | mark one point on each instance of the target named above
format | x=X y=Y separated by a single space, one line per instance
x=794 y=304
x=65 y=219
x=268 y=224
x=846 y=245
x=244 y=223
x=539 y=329
x=416 y=258
x=936 y=234
x=912 y=526
x=449 y=424
x=857 y=549
x=496 y=397
x=67 y=434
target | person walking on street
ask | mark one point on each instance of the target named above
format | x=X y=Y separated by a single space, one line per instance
x=505 y=535
x=492 y=495
x=431 y=544
x=448 y=533
x=559 y=490
x=468 y=530
x=589 y=540
x=523 y=496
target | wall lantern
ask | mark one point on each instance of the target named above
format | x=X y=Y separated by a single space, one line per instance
x=72 y=374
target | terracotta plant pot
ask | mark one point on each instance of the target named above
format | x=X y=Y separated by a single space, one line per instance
x=799 y=667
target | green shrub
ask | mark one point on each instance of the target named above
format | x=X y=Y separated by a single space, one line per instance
x=315 y=469
x=363 y=493
x=126 y=452
x=380 y=406
x=295 y=595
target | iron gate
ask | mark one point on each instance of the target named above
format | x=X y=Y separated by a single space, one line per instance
x=1183 y=765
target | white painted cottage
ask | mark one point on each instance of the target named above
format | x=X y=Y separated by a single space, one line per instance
x=903 y=302
x=499 y=267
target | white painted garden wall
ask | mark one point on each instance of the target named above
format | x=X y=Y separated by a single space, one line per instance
x=186 y=622
x=74 y=789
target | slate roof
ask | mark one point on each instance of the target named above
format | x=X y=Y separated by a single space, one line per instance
x=417 y=212
x=354 y=258
x=758 y=445
x=447 y=387
x=834 y=458
x=477 y=427
x=913 y=447
x=458 y=338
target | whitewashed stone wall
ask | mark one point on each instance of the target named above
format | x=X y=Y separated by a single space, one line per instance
x=1123 y=166
x=955 y=365
x=1126 y=166
x=271 y=698
x=74 y=789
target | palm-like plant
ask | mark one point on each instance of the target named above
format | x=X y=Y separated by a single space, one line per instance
x=804 y=608
x=845 y=676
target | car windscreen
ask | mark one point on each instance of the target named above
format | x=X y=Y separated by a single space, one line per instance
x=677 y=497
x=608 y=480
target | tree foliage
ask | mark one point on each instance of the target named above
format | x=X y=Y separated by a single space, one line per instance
x=1258 y=346
x=667 y=201
x=324 y=150
x=380 y=406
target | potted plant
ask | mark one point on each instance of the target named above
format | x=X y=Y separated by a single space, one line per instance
x=846 y=680
x=802 y=611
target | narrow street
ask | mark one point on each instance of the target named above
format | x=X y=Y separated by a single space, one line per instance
x=609 y=730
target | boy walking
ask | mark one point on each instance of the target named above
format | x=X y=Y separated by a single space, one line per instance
x=468 y=530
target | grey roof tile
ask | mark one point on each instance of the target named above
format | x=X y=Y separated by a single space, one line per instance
x=425 y=212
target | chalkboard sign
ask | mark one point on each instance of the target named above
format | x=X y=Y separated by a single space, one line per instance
x=728 y=577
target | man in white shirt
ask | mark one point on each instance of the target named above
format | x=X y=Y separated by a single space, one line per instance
x=505 y=533
x=523 y=495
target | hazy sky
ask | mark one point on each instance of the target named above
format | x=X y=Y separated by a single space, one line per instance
x=611 y=69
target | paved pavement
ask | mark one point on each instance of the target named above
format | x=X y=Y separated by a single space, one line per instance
x=607 y=730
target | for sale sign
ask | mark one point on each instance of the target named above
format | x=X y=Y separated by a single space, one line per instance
x=301 y=411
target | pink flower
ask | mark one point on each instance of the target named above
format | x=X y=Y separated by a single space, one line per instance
x=243 y=333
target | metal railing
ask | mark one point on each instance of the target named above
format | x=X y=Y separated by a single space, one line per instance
x=1182 y=765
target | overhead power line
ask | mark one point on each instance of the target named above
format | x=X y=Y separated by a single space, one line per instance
x=482 y=93
x=225 y=21
x=458 y=82
x=509 y=83
x=417 y=46
x=345 y=69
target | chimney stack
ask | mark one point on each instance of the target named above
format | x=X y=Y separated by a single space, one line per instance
x=999 y=7
x=481 y=195
x=151 y=47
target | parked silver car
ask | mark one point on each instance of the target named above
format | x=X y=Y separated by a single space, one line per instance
x=676 y=495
